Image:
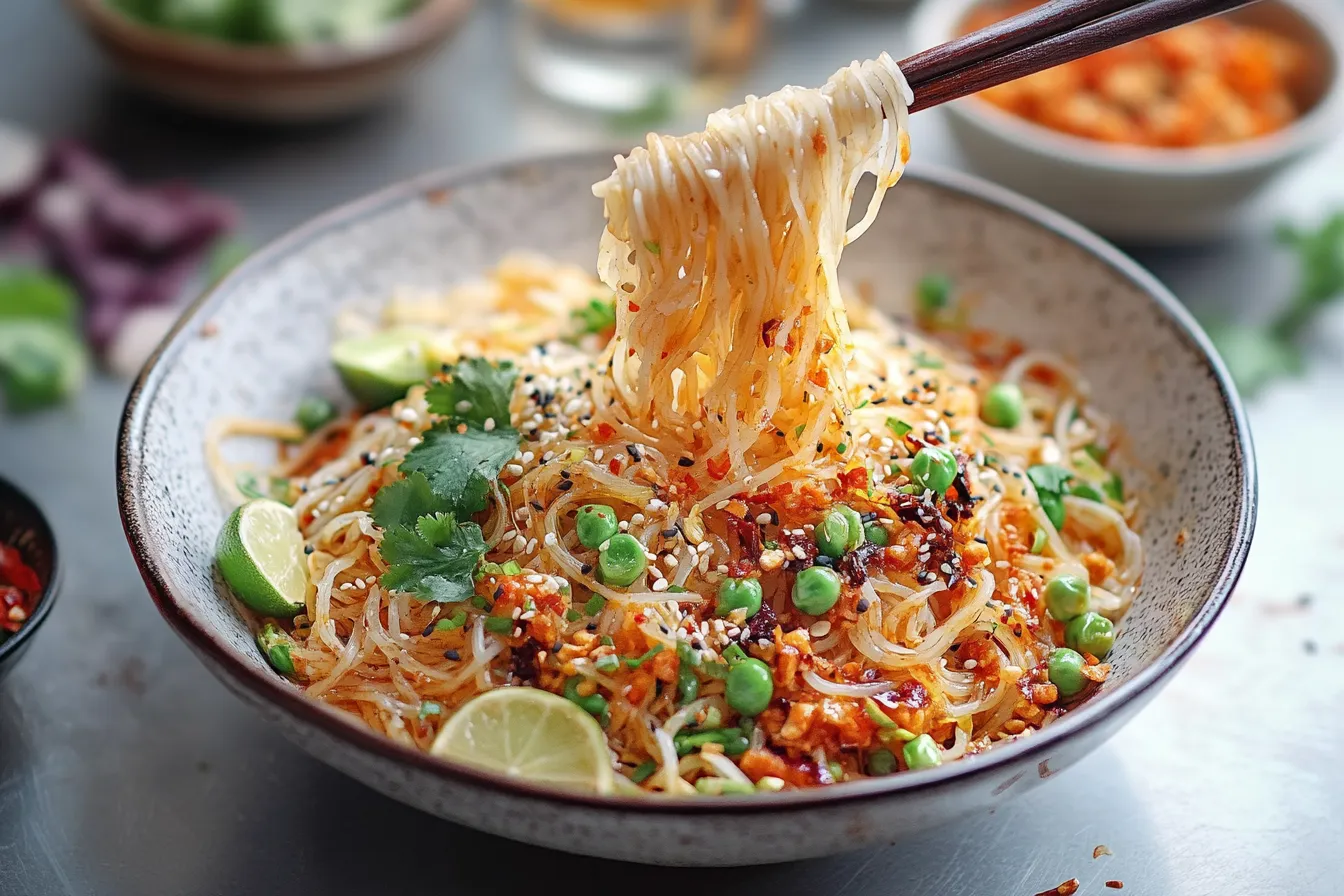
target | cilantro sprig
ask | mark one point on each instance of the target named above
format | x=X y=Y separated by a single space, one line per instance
x=1051 y=483
x=431 y=548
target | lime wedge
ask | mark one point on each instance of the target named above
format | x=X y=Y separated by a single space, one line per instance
x=260 y=554
x=378 y=369
x=531 y=734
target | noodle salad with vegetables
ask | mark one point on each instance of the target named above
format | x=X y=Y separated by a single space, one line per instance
x=705 y=525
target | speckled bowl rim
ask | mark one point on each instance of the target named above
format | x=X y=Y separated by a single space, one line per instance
x=1313 y=129
x=273 y=689
x=50 y=589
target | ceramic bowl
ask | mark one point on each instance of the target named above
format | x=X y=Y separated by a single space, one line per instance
x=1146 y=195
x=24 y=527
x=260 y=339
x=286 y=85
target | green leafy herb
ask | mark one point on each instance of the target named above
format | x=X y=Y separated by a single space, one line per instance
x=1115 y=488
x=900 y=427
x=1051 y=483
x=403 y=502
x=499 y=625
x=596 y=318
x=1255 y=355
x=644 y=771
x=480 y=603
x=434 y=559
x=475 y=391
x=461 y=465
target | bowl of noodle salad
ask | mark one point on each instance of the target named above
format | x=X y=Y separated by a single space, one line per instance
x=574 y=504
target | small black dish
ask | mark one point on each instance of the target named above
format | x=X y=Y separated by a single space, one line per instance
x=23 y=526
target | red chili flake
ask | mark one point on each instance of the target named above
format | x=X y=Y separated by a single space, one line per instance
x=603 y=432
x=17 y=573
x=614 y=465
x=634 y=307
x=819 y=143
x=768 y=332
x=1068 y=888
x=640 y=618
x=1115 y=884
x=718 y=466
x=855 y=478
x=908 y=693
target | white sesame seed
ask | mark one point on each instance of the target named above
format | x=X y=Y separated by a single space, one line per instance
x=799 y=552
x=531 y=545
x=528 y=457
x=597 y=455
x=969 y=664
x=820 y=629
x=660 y=585
x=489 y=424
x=669 y=561
x=346 y=586
x=508 y=536
x=623 y=525
x=517 y=611
x=551 y=539
x=762 y=519
x=463 y=406
x=517 y=632
x=514 y=469
x=535 y=579
x=721 y=568
x=519 y=543
x=359 y=583
x=407 y=415
x=637 y=518
x=413 y=441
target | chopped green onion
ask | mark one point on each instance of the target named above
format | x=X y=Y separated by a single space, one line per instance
x=644 y=771
x=1038 y=541
x=498 y=624
x=900 y=427
x=636 y=662
x=457 y=620
x=573 y=615
x=594 y=605
x=733 y=653
x=608 y=663
x=880 y=719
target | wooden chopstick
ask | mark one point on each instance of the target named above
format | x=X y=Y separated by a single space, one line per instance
x=975 y=62
x=1007 y=35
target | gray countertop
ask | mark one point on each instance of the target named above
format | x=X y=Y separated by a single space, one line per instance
x=125 y=768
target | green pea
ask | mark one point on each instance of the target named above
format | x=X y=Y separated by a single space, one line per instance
x=594 y=704
x=815 y=590
x=832 y=533
x=934 y=469
x=595 y=524
x=881 y=762
x=739 y=594
x=749 y=687
x=623 y=561
x=876 y=533
x=1002 y=406
x=854 y=537
x=922 y=752
x=314 y=413
x=1091 y=633
x=1065 y=668
x=1067 y=597
x=932 y=294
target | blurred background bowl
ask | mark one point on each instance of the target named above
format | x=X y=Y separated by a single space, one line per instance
x=273 y=84
x=24 y=527
x=1141 y=194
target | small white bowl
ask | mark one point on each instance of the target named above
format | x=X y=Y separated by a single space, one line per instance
x=1140 y=194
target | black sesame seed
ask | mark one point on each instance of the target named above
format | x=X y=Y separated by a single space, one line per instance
x=685 y=462
x=592 y=626
x=907 y=400
x=429 y=630
x=499 y=592
x=586 y=568
x=634 y=453
x=564 y=474
x=669 y=533
x=862 y=605
x=565 y=485
x=307 y=549
x=536 y=505
x=452 y=655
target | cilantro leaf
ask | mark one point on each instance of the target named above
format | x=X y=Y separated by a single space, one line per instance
x=476 y=391
x=1051 y=483
x=403 y=502
x=433 y=560
x=1115 y=488
x=460 y=465
x=597 y=317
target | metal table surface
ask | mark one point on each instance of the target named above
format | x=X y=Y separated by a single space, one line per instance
x=126 y=769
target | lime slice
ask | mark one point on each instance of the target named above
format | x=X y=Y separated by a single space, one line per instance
x=260 y=554
x=378 y=369
x=531 y=734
